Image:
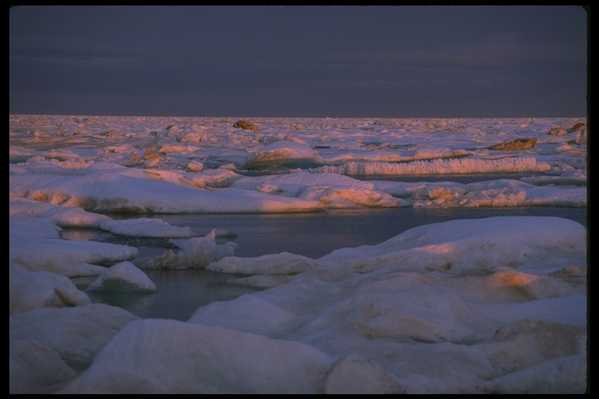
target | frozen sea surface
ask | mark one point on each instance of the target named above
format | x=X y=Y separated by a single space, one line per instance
x=381 y=255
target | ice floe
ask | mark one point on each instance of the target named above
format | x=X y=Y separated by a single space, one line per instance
x=123 y=277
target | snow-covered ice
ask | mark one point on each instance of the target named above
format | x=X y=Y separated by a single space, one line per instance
x=197 y=165
x=123 y=277
x=492 y=305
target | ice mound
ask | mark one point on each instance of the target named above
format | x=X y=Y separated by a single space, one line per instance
x=35 y=244
x=123 y=277
x=470 y=245
x=214 y=178
x=176 y=148
x=417 y=314
x=77 y=333
x=281 y=151
x=356 y=375
x=351 y=198
x=122 y=190
x=36 y=368
x=69 y=258
x=194 y=166
x=167 y=356
x=30 y=290
x=294 y=183
x=246 y=314
x=451 y=166
x=193 y=253
x=331 y=190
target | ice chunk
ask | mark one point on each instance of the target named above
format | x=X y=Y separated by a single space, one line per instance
x=282 y=151
x=69 y=258
x=195 y=166
x=282 y=263
x=144 y=227
x=124 y=276
x=31 y=290
x=193 y=253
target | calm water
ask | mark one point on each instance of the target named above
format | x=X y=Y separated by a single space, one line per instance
x=180 y=293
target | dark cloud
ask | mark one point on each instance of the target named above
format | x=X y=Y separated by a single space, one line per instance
x=380 y=61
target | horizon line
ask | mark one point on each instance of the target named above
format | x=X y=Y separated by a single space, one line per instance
x=303 y=117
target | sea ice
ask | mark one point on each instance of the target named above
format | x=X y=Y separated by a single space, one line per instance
x=125 y=277
x=77 y=333
x=168 y=356
x=30 y=290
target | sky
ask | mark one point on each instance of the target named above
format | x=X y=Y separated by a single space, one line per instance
x=391 y=61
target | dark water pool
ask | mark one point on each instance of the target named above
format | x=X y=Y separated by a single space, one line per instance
x=179 y=294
